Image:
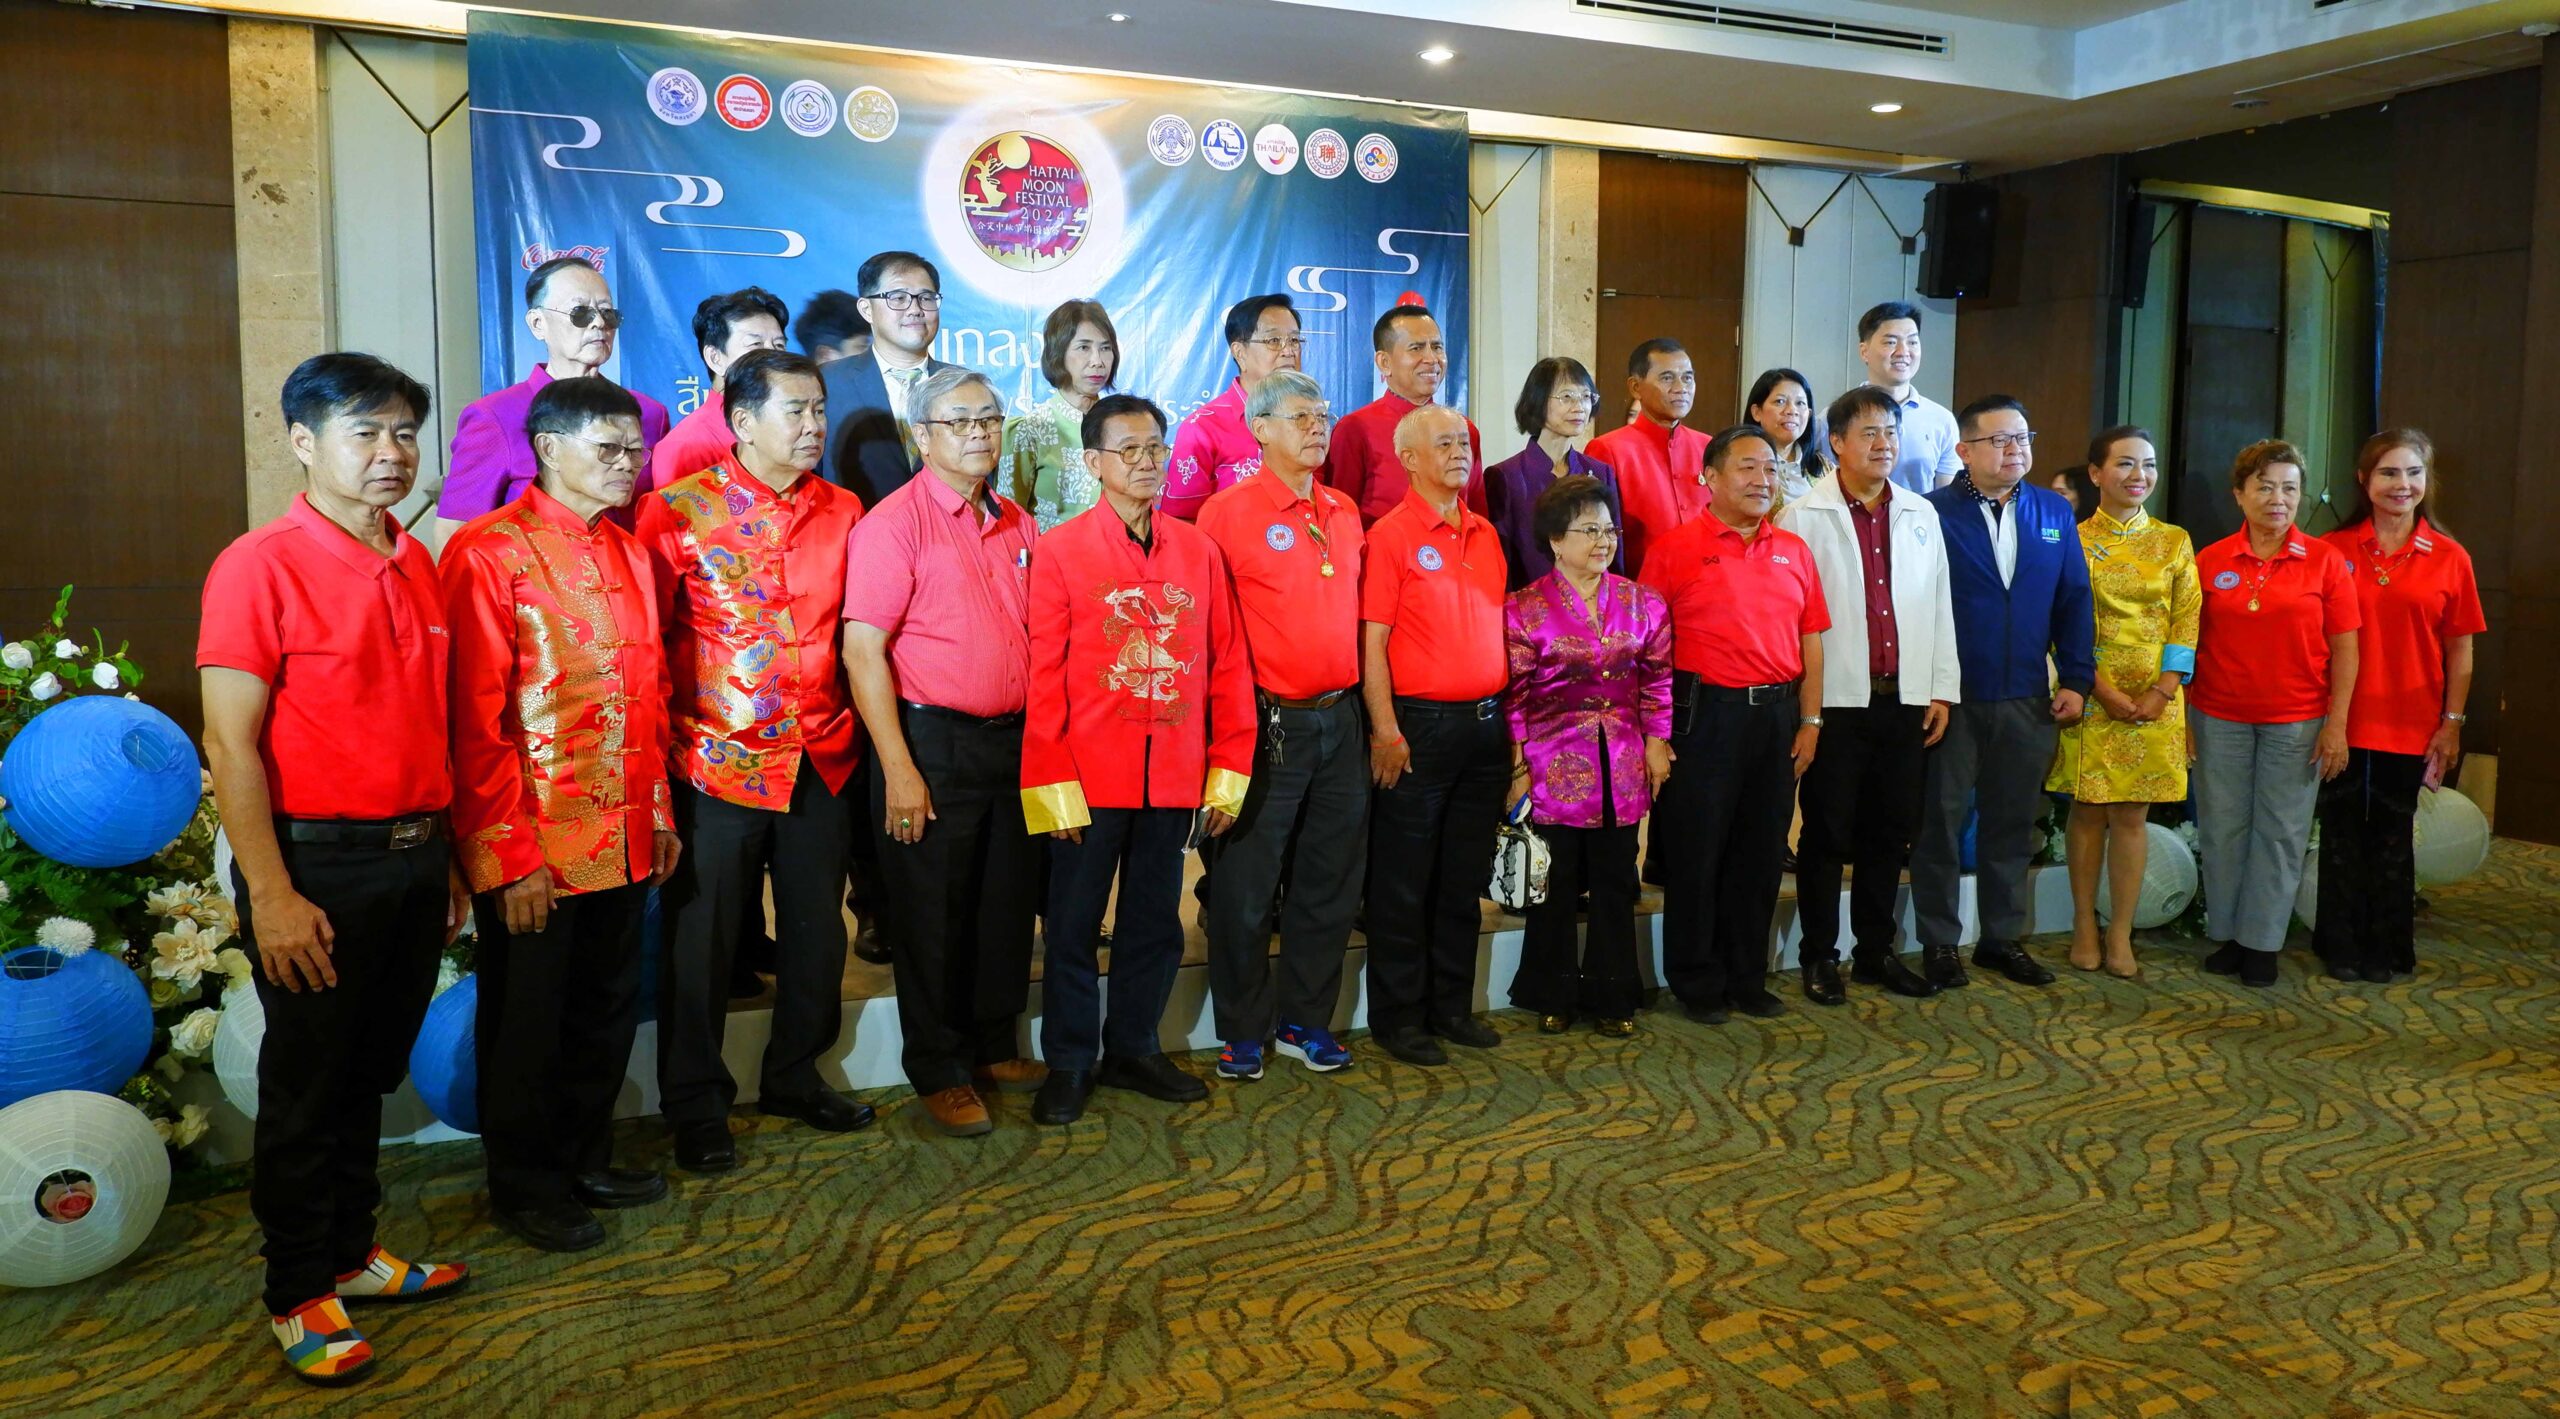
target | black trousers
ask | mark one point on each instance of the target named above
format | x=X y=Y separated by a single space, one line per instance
x=958 y=902
x=1861 y=803
x=1430 y=856
x=728 y=850
x=1731 y=793
x=1142 y=849
x=558 y=1008
x=2368 y=862
x=1305 y=821
x=1603 y=982
x=330 y=1055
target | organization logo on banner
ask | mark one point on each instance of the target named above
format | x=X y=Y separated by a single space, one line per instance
x=1275 y=148
x=1222 y=143
x=1375 y=157
x=677 y=97
x=744 y=103
x=1170 y=140
x=871 y=113
x=1328 y=153
x=537 y=253
x=1026 y=201
x=809 y=108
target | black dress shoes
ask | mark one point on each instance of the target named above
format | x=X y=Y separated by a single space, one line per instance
x=1944 y=966
x=828 y=1112
x=870 y=945
x=2011 y=959
x=1466 y=1030
x=1822 y=983
x=2224 y=960
x=1759 y=1004
x=1152 y=1075
x=705 y=1146
x=1709 y=1012
x=2257 y=968
x=619 y=1187
x=1062 y=1096
x=1413 y=1045
x=553 y=1226
x=2349 y=971
x=1886 y=969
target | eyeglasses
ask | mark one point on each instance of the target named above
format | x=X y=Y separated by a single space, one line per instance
x=986 y=424
x=1596 y=532
x=1305 y=420
x=635 y=454
x=1141 y=455
x=902 y=299
x=2005 y=442
x=1285 y=344
x=1573 y=398
x=582 y=316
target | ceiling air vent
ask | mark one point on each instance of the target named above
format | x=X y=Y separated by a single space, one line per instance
x=1771 y=22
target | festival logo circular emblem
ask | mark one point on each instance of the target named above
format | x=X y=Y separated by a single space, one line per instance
x=1280 y=536
x=677 y=97
x=1222 y=143
x=2226 y=581
x=1026 y=201
x=1170 y=139
x=1428 y=558
x=871 y=113
x=1375 y=157
x=1328 y=153
x=809 y=109
x=1275 y=148
x=744 y=103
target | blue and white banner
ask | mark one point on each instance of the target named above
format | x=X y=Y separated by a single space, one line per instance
x=686 y=164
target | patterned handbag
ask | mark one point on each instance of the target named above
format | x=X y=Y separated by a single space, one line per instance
x=1520 y=862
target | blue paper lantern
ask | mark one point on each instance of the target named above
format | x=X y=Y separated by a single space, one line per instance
x=100 y=781
x=441 y=1063
x=69 y=1022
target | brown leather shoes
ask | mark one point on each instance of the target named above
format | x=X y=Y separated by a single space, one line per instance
x=1013 y=1076
x=957 y=1112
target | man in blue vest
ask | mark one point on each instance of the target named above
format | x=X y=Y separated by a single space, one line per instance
x=2021 y=590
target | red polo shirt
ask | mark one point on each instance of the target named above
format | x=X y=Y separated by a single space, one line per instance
x=1440 y=589
x=1662 y=480
x=1361 y=459
x=2431 y=598
x=353 y=647
x=1740 y=610
x=698 y=440
x=2269 y=665
x=1301 y=622
x=952 y=590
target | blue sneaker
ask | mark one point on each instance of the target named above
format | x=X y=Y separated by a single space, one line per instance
x=1241 y=1060
x=1316 y=1049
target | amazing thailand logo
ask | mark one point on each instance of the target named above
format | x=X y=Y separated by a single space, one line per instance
x=1026 y=201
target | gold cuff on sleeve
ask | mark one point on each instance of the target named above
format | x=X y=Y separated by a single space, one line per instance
x=1055 y=806
x=1225 y=791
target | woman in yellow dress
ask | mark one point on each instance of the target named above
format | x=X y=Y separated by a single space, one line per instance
x=2129 y=749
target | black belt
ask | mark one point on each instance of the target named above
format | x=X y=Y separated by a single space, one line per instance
x=1884 y=686
x=1325 y=701
x=1485 y=708
x=393 y=834
x=988 y=721
x=1685 y=685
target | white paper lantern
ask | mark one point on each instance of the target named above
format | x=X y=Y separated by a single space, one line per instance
x=2452 y=837
x=2168 y=879
x=235 y=1046
x=82 y=1180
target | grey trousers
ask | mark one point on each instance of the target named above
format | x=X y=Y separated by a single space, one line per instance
x=1305 y=814
x=2255 y=789
x=1994 y=757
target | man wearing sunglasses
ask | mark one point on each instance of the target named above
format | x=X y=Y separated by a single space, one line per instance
x=873 y=446
x=570 y=310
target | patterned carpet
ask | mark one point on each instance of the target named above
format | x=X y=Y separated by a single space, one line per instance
x=2175 y=1197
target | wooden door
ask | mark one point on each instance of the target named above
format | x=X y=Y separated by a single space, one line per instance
x=1671 y=234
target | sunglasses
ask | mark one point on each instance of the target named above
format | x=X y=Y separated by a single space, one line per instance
x=582 y=316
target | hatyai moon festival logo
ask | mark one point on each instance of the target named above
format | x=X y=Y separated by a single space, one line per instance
x=1026 y=201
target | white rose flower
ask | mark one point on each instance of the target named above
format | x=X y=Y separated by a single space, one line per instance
x=65 y=935
x=192 y=1036
x=104 y=676
x=193 y=1120
x=17 y=655
x=234 y=965
x=67 y=650
x=45 y=687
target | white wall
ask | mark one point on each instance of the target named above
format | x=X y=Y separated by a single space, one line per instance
x=1505 y=186
x=1800 y=304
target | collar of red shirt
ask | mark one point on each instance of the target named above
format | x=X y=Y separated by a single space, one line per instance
x=341 y=543
x=730 y=470
x=2295 y=545
x=1653 y=433
x=557 y=513
x=1723 y=536
x=952 y=504
x=2419 y=540
x=1434 y=517
x=1275 y=491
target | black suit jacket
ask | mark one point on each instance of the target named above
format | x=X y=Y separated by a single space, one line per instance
x=863 y=451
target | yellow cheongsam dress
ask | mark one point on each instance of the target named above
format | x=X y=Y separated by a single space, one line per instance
x=2142 y=580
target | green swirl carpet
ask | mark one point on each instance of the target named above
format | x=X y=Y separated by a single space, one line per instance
x=2172 y=1197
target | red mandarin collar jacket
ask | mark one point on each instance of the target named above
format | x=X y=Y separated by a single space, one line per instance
x=1141 y=694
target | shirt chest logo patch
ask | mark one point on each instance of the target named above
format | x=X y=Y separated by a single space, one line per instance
x=1779 y=560
x=1279 y=537
x=2226 y=581
x=2051 y=534
x=1427 y=558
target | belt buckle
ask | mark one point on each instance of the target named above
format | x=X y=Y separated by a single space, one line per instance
x=411 y=833
x=1765 y=694
x=1485 y=708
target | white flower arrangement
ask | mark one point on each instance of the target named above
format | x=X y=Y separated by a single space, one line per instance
x=67 y=650
x=235 y=967
x=182 y=955
x=186 y=1128
x=194 y=1034
x=71 y=938
x=44 y=687
x=104 y=676
x=17 y=655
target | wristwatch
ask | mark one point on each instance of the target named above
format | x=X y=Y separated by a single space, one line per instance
x=1813 y=721
x=2451 y=718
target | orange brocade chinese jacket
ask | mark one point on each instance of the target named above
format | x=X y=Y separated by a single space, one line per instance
x=1141 y=695
x=558 y=699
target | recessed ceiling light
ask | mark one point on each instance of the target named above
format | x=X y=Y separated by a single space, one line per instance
x=1437 y=54
x=1884 y=108
x=1117 y=18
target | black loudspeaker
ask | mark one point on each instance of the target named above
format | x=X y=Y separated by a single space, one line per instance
x=1959 y=221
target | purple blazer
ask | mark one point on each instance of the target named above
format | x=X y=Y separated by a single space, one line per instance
x=1581 y=698
x=1511 y=490
x=492 y=455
